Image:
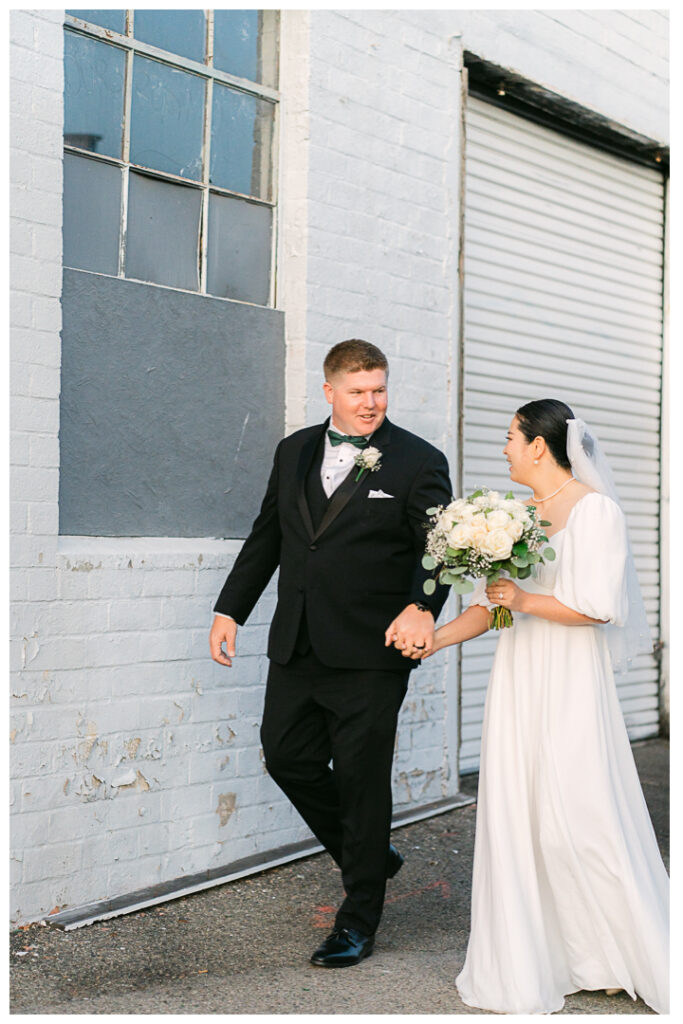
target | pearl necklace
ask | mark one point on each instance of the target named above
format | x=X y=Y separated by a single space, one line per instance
x=549 y=496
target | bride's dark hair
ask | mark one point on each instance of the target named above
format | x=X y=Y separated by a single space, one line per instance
x=547 y=418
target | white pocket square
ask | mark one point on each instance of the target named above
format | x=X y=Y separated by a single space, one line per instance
x=379 y=494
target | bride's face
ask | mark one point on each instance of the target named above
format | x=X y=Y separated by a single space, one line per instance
x=519 y=453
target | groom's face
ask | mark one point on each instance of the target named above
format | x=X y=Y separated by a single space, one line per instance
x=358 y=400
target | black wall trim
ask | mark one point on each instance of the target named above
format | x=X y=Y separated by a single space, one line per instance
x=530 y=100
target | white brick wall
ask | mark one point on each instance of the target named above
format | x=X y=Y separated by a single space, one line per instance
x=382 y=244
x=135 y=759
x=614 y=62
x=35 y=318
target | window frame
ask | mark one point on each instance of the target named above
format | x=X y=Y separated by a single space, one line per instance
x=209 y=74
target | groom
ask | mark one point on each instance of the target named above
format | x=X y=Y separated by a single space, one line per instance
x=344 y=519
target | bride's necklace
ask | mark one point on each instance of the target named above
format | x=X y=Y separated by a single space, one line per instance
x=549 y=496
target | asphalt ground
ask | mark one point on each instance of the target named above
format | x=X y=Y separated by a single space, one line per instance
x=243 y=947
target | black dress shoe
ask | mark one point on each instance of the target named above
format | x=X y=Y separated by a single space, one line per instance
x=394 y=861
x=343 y=948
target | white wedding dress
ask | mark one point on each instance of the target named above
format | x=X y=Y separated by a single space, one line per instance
x=569 y=891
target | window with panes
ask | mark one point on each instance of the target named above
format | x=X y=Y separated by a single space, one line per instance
x=169 y=139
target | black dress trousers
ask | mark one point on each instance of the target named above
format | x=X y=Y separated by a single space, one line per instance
x=313 y=715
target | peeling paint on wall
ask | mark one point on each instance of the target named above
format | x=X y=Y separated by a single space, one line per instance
x=226 y=806
x=132 y=746
x=29 y=650
x=223 y=738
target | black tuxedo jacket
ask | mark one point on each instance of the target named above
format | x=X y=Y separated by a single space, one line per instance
x=358 y=566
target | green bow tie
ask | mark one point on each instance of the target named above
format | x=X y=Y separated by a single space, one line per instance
x=357 y=442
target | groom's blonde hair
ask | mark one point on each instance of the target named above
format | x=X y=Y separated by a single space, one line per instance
x=354 y=355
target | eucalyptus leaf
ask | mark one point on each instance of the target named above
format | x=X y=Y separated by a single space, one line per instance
x=544 y=522
x=525 y=573
x=450 y=578
x=549 y=554
x=428 y=562
x=461 y=586
x=533 y=557
x=520 y=548
x=429 y=586
x=512 y=569
x=521 y=563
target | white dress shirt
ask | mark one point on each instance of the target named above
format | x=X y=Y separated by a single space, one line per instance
x=337 y=461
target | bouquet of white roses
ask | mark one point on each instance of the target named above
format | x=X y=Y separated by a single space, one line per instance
x=484 y=535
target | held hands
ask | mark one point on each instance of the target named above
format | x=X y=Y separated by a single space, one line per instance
x=412 y=633
x=223 y=631
x=506 y=594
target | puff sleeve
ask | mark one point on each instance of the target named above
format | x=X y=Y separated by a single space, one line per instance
x=591 y=575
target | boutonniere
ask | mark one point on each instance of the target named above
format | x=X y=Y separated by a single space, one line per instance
x=368 y=458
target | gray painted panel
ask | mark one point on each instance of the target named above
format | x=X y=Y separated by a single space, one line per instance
x=168 y=420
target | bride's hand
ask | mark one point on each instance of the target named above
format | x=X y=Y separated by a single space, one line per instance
x=506 y=594
x=435 y=645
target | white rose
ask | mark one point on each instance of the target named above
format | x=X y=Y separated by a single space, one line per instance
x=498 y=520
x=512 y=505
x=446 y=520
x=459 y=536
x=514 y=529
x=479 y=520
x=477 y=533
x=482 y=501
x=371 y=457
x=498 y=544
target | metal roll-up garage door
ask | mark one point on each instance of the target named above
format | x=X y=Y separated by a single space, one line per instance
x=563 y=299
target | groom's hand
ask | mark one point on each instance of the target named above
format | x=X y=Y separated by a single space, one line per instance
x=223 y=631
x=411 y=633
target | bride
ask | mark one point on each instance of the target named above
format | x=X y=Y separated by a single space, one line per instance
x=569 y=891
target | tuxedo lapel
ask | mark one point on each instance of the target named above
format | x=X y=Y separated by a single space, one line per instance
x=339 y=499
x=306 y=456
x=343 y=494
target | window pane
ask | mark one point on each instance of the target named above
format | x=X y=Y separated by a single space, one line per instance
x=92 y=214
x=114 y=20
x=162 y=241
x=241 y=139
x=93 y=94
x=167 y=119
x=181 y=32
x=245 y=44
x=239 y=248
